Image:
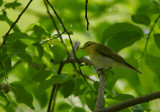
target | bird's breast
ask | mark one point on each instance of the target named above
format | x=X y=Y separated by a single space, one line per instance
x=102 y=61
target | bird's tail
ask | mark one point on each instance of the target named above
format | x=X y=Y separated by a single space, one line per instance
x=131 y=67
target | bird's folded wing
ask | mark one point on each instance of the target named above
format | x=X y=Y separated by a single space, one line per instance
x=108 y=52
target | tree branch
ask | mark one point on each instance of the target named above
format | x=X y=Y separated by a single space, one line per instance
x=100 y=97
x=131 y=102
x=16 y=21
x=153 y=26
x=86 y=7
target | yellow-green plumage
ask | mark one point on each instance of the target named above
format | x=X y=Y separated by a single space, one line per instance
x=105 y=57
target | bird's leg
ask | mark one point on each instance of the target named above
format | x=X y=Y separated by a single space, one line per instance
x=107 y=69
x=100 y=71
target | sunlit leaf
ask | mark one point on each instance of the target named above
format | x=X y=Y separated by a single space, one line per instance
x=42 y=75
x=63 y=107
x=22 y=96
x=77 y=109
x=141 y=19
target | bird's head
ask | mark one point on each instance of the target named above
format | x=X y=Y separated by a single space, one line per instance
x=88 y=46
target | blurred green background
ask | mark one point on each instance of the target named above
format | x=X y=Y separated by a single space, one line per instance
x=26 y=59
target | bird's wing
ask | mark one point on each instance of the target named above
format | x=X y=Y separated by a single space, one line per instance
x=108 y=52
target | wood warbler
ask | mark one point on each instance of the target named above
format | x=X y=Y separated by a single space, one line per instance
x=105 y=57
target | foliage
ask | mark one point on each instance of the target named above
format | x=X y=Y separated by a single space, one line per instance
x=33 y=52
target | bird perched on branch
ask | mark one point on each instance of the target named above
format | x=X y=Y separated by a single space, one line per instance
x=105 y=57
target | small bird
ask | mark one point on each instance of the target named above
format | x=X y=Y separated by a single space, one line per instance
x=105 y=57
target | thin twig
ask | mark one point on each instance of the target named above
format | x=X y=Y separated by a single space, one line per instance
x=131 y=102
x=51 y=98
x=16 y=21
x=149 y=35
x=54 y=23
x=86 y=16
x=72 y=57
x=54 y=101
x=54 y=90
x=66 y=32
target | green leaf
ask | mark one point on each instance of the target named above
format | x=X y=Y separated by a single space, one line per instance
x=154 y=63
x=90 y=99
x=141 y=19
x=157 y=39
x=123 y=39
x=54 y=80
x=7 y=101
x=59 y=52
x=42 y=75
x=42 y=97
x=3 y=57
x=16 y=36
x=22 y=96
x=152 y=7
x=26 y=57
x=3 y=17
x=39 y=31
x=111 y=79
x=5 y=60
x=80 y=87
x=19 y=46
x=121 y=97
x=1 y=3
x=8 y=65
x=67 y=88
x=63 y=107
x=39 y=49
x=117 y=29
x=12 y=5
x=77 y=109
